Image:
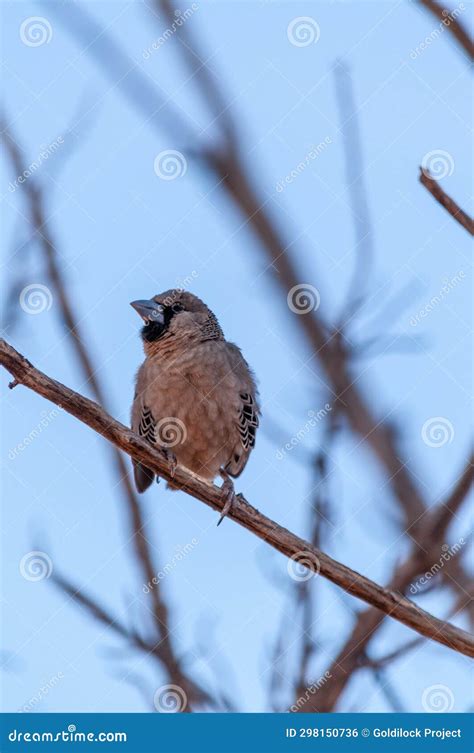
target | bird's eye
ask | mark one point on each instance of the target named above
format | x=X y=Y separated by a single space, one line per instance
x=177 y=307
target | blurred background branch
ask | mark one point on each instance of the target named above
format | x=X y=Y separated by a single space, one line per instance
x=342 y=354
x=39 y=224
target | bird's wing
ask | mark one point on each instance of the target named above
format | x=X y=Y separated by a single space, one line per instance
x=247 y=412
x=143 y=424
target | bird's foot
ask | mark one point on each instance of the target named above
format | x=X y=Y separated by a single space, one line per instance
x=229 y=495
x=170 y=459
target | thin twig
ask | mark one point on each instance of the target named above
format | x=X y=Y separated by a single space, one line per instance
x=446 y=201
x=355 y=180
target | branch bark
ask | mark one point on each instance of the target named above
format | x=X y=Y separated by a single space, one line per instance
x=229 y=167
x=353 y=652
x=452 y=24
x=37 y=217
x=387 y=601
x=446 y=201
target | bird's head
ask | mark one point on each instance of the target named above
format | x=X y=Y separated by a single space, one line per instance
x=175 y=315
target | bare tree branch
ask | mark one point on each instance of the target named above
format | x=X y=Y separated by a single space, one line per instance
x=452 y=24
x=154 y=648
x=348 y=659
x=386 y=601
x=44 y=236
x=227 y=165
x=446 y=201
x=354 y=170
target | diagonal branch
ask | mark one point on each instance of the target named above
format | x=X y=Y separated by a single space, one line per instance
x=229 y=168
x=446 y=201
x=385 y=601
x=37 y=218
x=451 y=23
x=349 y=658
x=155 y=648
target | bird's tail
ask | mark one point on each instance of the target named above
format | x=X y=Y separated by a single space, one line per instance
x=143 y=477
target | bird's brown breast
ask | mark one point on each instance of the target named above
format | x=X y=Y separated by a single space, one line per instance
x=193 y=397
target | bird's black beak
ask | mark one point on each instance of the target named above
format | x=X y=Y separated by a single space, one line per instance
x=150 y=311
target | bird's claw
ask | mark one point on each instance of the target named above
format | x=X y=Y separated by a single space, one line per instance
x=229 y=497
x=171 y=460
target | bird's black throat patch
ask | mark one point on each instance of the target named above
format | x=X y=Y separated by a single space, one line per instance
x=152 y=331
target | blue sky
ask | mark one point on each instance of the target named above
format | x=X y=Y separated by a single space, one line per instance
x=123 y=233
